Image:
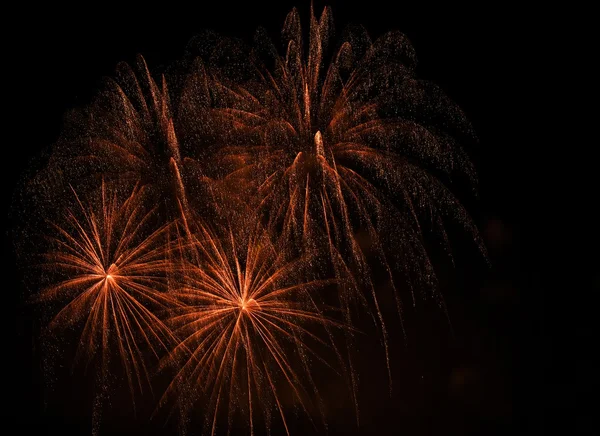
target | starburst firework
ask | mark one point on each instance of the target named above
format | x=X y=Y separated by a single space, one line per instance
x=250 y=323
x=114 y=273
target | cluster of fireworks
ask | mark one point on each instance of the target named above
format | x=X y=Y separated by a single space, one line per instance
x=222 y=222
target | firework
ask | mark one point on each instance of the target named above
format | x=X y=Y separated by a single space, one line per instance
x=229 y=216
x=250 y=323
x=113 y=271
x=335 y=147
x=125 y=136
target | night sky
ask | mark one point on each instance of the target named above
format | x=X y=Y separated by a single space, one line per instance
x=483 y=376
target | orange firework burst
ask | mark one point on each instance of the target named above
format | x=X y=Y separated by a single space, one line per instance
x=250 y=323
x=114 y=270
x=270 y=191
x=336 y=147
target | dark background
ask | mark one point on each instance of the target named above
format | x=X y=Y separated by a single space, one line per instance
x=490 y=376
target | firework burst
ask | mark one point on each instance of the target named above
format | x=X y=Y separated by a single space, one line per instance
x=113 y=272
x=229 y=217
x=338 y=146
x=251 y=326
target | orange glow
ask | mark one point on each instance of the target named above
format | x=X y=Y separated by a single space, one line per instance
x=248 y=305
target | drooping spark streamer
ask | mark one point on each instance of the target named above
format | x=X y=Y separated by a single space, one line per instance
x=250 y=323
x=113 y=271
x=330 y=144
x=125 y=136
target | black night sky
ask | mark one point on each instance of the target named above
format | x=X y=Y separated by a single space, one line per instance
x=485 y=379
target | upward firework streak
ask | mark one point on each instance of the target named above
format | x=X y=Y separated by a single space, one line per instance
x=115 y=272
x=327 y=161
